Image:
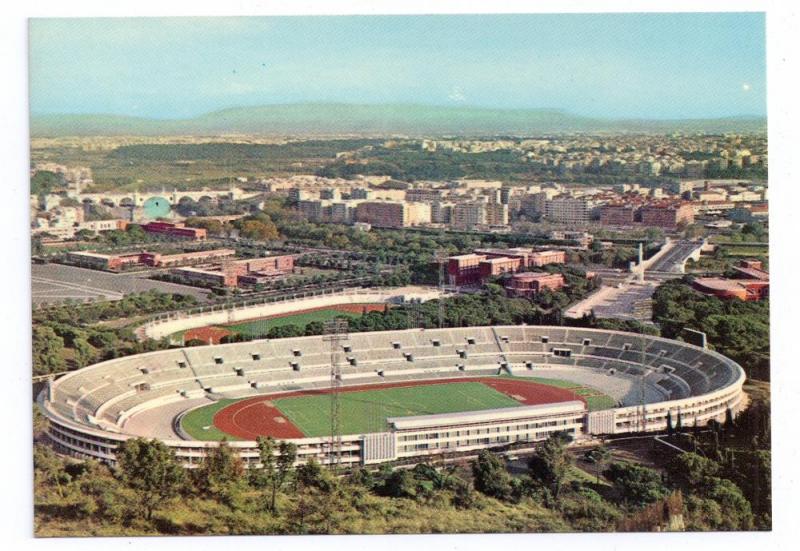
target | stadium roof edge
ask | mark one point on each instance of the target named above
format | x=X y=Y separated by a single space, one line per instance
x=425 y=421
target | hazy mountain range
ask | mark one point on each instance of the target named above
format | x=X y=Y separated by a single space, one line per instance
x=414 y=120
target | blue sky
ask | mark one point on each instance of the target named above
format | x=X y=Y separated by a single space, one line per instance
x=610 y=65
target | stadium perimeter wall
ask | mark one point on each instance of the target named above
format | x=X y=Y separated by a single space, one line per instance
x=434 y=434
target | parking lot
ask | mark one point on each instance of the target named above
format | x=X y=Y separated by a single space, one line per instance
x=55 y=283
x=631 y=301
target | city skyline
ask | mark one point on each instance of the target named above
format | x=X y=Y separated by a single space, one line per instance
x=657 y=66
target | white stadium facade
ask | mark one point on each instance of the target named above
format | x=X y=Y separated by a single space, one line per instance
x=92 y=410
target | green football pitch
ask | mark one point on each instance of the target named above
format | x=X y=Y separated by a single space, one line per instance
x=261 y=327
x=366 y=411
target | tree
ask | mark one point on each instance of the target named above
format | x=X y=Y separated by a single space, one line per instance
x=259 y=230
x=400 y=483
x=320 y=500
x=220 y=474
x=311 y=474
x=601 y=456
x=551 y=463
x=463 y=495
x=314 y=328
x=103 y=339
x=736 y=510
x=636 y=484
x=689 y=471
x=47 y=348
x=43 y=182
x=490 y=475
x=275 y=468
x=85 y=235
x=728 y=426
x=84 y=352
x=440 y=479
x=149 y=468
x=212 y=226
x=49 y=469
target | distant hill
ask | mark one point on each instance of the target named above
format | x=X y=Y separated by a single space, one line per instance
x=415 y=120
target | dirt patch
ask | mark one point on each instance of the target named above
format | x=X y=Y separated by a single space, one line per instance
x=209 y=335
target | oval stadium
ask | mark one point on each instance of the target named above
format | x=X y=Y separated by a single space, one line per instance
x=400 y=395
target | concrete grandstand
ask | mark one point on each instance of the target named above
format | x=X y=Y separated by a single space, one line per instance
x=165 y=325
x=95 y=408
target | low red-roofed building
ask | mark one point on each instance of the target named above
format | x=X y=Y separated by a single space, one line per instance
x=743 y=289
x=497 y=266
x=529 y=284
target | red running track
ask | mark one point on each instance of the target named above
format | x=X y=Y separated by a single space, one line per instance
x=248 y=419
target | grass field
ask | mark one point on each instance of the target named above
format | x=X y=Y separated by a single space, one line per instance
x=598 y=402
x=260 y=327
x=748 y=252
x=199 y=423
x=367 y=411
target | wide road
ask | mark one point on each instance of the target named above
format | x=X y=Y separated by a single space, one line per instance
x=55 y=283
x=674 y=259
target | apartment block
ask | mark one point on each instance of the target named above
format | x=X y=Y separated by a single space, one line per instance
x=617 y=215
x=382 y=214
x=467 y=216
x=567 y=211
x=668 y=216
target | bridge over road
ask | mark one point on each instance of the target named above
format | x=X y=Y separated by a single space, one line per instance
x=137 y=199
x=674 y=260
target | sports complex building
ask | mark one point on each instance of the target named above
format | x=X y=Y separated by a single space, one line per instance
x=403 y=394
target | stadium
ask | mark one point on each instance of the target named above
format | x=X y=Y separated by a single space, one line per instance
x=400 y=395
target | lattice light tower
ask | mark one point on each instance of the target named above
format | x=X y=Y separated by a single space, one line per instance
x=335 y=332
x=414 y=315
x=643 y=418
x=441 y=262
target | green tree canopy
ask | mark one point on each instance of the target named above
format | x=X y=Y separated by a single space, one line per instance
x=149 y=467
x=490 y=475
x=551 y=463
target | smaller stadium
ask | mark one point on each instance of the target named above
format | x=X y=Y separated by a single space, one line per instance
x=399 y=395
x=259 y=327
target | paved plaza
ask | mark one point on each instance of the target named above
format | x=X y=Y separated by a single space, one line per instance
x=55 y=283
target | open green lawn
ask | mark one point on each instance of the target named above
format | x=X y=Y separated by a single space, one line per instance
x=198 y=423
x=598 y=402
x=366 y=411
x=560 y=383
x=749 y=252
x=257 y=328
